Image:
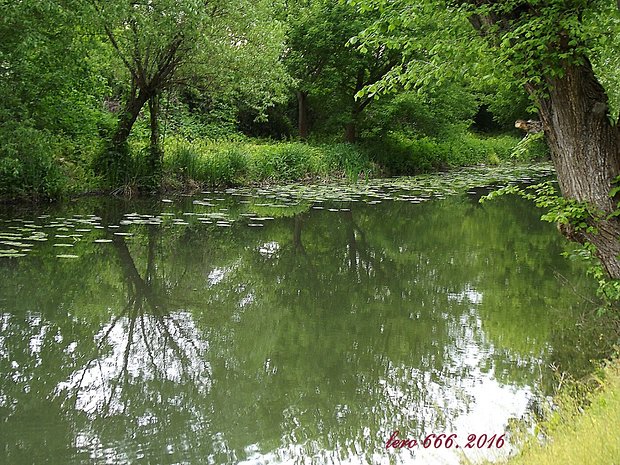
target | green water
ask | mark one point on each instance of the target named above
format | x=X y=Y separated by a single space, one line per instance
x=274 y=327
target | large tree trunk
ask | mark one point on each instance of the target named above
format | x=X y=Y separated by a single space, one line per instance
x=302 y=120
x=350 y=132
x=128 y=117
x=114 y=162
x=350 y=128
x=585 y=149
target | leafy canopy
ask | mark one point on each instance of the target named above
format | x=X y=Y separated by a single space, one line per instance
x=512 y=42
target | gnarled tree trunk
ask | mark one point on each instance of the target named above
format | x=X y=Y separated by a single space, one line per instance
x=114 y=162
x=585 y=150
x=128 y=117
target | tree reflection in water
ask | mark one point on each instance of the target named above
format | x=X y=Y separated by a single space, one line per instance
x=144 y=344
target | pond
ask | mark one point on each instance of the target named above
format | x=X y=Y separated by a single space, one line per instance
x=296 y=324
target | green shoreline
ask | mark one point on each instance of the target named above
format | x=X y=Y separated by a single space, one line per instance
x=575 y=434
x=202 y=163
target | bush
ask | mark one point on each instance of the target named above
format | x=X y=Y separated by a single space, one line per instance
x=531 y=147
x=28 y=163
x=284 y=161
x=349 y=159
x=401 y=154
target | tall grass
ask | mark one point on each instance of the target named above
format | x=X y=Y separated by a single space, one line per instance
x=581 y=436
x=230 y=163
x=35 y=163
x=244 y=162
x=398 y=153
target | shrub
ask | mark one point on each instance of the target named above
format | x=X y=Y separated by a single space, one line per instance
x=28 y=163
x=400 y=155
x=531 y=147
x=404 y=154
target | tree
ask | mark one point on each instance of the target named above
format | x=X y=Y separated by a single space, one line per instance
x=48 y=94
x=167 y=44
x=547 y=47
x=326 y=67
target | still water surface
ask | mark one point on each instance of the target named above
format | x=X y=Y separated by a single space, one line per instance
x=278 y=326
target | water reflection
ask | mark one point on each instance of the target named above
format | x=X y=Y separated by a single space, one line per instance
x=307 y=340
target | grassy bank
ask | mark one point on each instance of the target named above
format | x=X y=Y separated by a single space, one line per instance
x=223 y=163
x=576 y=435
x=42 y=166
x=400 y=154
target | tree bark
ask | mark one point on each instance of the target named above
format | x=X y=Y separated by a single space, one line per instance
x=113 y=163
x=302 y=112
x=350 y=132
x=585 y=150
x=358 y=106
x=350 y=127
x=128 y=117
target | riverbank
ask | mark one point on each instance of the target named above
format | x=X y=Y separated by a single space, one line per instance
x=580 y=435
x=194 y=164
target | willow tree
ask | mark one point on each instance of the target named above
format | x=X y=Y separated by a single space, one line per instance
x=548 y=48
x=167 y=44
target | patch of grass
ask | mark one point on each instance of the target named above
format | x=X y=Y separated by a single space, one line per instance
x=222 y=163
x=577 y=435
x=402 y=154
x=283 y=161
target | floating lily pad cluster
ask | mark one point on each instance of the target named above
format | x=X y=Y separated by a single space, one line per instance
x=251 y=207
x=19 y=236
x=414 y=189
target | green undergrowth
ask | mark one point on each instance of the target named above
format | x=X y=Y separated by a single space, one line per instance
x=37 y=165
x=583 y=429
x=399 y=154
x=222 y=163
x=247 y=162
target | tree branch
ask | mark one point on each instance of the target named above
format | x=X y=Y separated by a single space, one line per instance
x=114 y=43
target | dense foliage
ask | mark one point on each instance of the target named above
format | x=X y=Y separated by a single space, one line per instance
x=116 y=94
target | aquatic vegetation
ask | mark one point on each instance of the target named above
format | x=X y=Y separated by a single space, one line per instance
x=252 y=207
